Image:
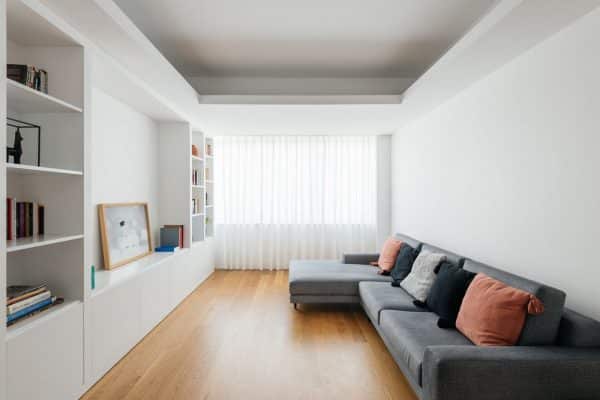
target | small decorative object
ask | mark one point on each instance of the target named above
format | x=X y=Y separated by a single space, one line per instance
x=195 y=150
x=125 y=232
x=16 y=152
x=28 y=75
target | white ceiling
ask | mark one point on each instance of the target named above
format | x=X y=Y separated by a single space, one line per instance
x=308 y=38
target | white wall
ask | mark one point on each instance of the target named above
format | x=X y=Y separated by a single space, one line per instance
x=506 y=172
x=384 y=191
x=124 y=161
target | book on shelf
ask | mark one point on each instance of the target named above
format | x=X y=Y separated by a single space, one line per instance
x=171 y=235
x=167 y=249
x=15 y=293
x=28 y=75
x=29 y=301
x=36 y=309
x=23 y=219
x=23 y=301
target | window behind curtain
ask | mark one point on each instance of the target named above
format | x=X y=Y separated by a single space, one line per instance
x=323 y=184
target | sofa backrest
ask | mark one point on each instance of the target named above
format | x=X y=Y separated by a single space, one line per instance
x=414 y=243
x=577 y=330
x=454 y=258
x=539 y=330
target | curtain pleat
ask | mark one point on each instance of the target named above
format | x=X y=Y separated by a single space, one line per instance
x=280 y=198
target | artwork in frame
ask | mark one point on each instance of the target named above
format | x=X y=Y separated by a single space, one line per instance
x=125 y=232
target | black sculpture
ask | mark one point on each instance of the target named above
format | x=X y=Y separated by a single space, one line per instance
x=17 y=150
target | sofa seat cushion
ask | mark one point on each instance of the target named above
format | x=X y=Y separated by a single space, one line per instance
x=314 y=277
x=408 y=335
x=378 y=296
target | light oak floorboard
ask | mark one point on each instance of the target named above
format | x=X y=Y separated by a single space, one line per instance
x=238 y=337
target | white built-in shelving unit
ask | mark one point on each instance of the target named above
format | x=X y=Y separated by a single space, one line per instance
x=55 y=258
x=209 y=218
x=61 y=352
x=203 y=191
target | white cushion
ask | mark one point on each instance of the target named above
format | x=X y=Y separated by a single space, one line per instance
x=418 y=283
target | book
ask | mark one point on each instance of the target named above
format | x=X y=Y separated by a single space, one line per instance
x=38 y=308
x=180 y=231
x=27 y=310
x=30 y=219
x=26 y=296
x=28 y=75
x=29 y=301
x=14 y=219
x=8 y=219
x=34 y=218
x=166 y=249
x=24 y=219
x=18 y=292
x=41 y=216
x=17 y=72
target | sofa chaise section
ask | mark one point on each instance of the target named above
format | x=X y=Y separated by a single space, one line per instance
x=329 y=281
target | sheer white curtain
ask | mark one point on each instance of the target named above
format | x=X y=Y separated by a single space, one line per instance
x=279 y=198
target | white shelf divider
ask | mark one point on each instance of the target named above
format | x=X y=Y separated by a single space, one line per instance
x=38 y=241
x=24 y=99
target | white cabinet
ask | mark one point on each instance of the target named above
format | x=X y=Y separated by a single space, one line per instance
x=115 y=325
x=137 y=297
x=154 y=298
x=47 y=362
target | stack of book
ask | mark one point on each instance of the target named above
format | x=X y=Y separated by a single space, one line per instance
x=29 y=76
x=23 y=219
x=171 y=235
x=25 y=301
x=195 y=176
x=196 y=205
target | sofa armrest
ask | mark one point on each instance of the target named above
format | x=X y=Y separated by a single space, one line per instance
x=518 y=372
x=359 y=258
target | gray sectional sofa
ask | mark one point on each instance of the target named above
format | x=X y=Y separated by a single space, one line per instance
x=557 y=356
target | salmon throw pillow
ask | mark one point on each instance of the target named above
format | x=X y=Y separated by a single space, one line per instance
x=493 y=313
x=387 y=257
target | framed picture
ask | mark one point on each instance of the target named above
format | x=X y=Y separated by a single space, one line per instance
x=125 y=232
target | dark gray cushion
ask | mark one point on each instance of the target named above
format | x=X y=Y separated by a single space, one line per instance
x=577 y=330
x=539 y=330
x=315 y=277
x=407 y=239
x=410 y=333
x=378 y=296
x=454 y=258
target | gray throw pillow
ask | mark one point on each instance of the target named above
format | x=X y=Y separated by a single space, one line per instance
x=418 y=283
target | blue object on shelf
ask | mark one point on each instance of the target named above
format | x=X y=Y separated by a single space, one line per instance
x=27 y=310
x=166 y=249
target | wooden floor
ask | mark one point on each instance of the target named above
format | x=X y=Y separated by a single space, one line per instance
x=238 y=337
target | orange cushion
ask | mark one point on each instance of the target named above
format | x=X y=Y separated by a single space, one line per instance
x=387 y=257
x=493 y=313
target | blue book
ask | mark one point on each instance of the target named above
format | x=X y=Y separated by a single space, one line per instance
x=166 y=249
x=28 y=310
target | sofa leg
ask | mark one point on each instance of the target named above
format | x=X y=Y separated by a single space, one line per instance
x=295 y=306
